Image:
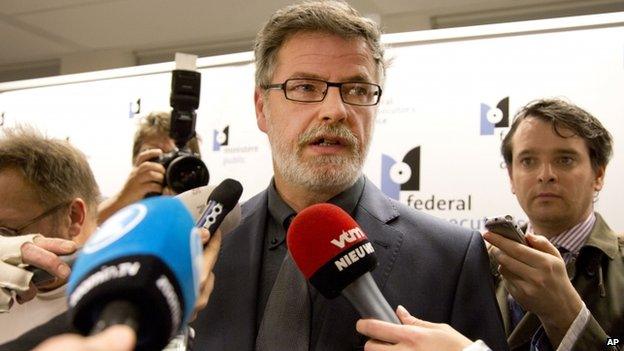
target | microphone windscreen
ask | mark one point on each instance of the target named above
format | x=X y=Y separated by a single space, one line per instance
x=196 y=200
x=330 y=248
x=227 y=193
x=148 y=254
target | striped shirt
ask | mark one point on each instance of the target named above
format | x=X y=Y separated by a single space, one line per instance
x=572 y=239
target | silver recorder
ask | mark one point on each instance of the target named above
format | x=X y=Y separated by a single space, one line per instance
x=507 y=227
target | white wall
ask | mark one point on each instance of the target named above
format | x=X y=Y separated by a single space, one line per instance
x=432 y=99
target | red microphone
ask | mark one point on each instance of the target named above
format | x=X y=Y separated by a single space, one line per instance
x=334 y=254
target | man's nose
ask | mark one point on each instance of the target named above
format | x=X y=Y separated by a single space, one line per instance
x=547 y=174
x=333 y=109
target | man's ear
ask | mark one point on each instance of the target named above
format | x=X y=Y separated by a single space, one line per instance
x=510 y=174
x=259 y=103
x=77 y=217
x=599 y=180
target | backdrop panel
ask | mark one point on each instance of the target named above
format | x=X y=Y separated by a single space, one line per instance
x=448 y=99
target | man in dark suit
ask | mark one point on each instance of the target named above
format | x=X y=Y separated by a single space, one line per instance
x=319 y=67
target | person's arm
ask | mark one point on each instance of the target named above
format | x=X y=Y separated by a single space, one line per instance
x=536 y=277
x=146 y=177
x=114 y=338
x=414 y=335
x=592 y=337
x=211 y=253
x=34 y=250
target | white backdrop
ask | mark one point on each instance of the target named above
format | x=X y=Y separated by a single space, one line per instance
x=432 y=131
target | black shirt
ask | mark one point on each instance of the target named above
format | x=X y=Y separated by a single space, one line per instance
x=274 y=248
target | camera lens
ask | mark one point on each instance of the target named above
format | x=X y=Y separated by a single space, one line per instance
x=186 y=173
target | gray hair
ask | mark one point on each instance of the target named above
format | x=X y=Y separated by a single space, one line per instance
x=333 y=17
x=57 y=170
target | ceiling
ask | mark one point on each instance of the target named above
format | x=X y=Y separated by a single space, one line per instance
x=42 y=37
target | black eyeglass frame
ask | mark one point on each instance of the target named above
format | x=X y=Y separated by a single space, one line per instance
x=7 y=231
x=282 y=87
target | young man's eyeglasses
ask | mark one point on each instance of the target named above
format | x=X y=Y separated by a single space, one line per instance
x=315 y=90
x=6 y=231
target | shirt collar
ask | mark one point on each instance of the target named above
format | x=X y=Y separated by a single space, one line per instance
x=283 y=213
x=573 y=239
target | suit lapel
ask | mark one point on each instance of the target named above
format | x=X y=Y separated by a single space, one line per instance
x=373 y=212
x=238 y=278
x=501 y=299
x=521 y=336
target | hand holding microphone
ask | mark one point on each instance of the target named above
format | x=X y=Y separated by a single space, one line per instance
x=215 y=207
x=414 y=335
x=145 y=268
x=21 y=254
x=221 y=213
x=196 y=202
x=334 y=254
x=141 y=268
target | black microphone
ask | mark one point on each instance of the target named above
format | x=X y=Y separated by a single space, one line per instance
x=219 y=204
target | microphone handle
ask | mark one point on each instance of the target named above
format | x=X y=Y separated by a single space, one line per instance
x=41 y=277
x=365 y=296
x=117 y=312
x=212 y=217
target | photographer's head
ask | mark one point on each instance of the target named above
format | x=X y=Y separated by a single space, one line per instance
x=46 y=186
x=319 y=67
x=153 y=133
x=556 y=155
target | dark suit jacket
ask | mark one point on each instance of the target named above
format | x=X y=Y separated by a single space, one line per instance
x=438 y=271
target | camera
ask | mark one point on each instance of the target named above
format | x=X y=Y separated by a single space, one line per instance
x=184 y=170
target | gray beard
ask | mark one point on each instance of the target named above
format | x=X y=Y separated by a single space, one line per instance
x=324 y=173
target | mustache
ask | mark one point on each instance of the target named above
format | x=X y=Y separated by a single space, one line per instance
x=338 y=131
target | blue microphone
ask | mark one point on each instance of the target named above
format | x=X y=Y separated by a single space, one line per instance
x=141 y=268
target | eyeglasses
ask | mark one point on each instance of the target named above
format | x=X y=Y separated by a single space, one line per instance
x=315 y=90
x=6 y=231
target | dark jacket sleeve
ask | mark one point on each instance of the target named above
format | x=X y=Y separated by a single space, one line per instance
x=56 y=326
x=475 y=311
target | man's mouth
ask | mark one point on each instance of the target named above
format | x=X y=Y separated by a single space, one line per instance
x=328 y=141
x=547 y=195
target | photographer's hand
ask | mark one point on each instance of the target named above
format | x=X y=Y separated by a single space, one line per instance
x=146 y=177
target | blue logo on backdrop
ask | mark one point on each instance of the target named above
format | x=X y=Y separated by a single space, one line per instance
x=397 y=177
x=134 y=108
x=400 y=176
x=220 y=138
x=494 y=117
